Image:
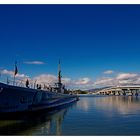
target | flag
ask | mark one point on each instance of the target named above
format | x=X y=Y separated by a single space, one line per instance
x=16 y=70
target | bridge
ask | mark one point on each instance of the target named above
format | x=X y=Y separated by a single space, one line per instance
x=121 y=90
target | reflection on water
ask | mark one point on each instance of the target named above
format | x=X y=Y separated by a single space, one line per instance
x=123 y=105
x=48 y=123
x=107 y=115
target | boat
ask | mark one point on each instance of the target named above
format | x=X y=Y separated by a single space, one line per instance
x=16 y=99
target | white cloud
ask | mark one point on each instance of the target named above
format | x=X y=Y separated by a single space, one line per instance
x=67 y=81
x=126 y=76
x=34 y=62
x=83 y=81
x=11 y=73
x=49 y=79
x=20 y=78
x=106 y=81
x=46 y=78
x=119 y=79
x=108 y=72
x=87 y=83
x=7 y=72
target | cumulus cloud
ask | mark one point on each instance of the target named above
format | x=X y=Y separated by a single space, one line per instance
x=83 y=81
x=87 y=83
x=108 y=72
x=49 y=79
x=105 y=81
x=7 y=72
x=11 y=73
x=34 y=62
x=46 y=78
x=127 y=76
x=67 y=81
x=119 y=79
x=20 y=78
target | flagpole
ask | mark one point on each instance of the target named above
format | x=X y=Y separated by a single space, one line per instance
x=14 y=75
x=14 y=80
x=0 y=73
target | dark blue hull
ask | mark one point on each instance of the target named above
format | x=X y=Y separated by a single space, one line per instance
x=18 y=99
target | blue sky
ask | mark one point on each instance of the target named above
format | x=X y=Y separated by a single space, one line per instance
x=89 y=39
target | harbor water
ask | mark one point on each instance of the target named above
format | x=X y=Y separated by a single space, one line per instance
x=90 y=116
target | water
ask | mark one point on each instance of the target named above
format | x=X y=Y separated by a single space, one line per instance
x=91 y=116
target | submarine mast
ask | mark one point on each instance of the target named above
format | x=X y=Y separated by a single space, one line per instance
x=59 y=76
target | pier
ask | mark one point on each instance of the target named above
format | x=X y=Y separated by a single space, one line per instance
x=121 y=90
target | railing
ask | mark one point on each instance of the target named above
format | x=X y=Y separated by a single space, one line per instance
x=32 y=84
